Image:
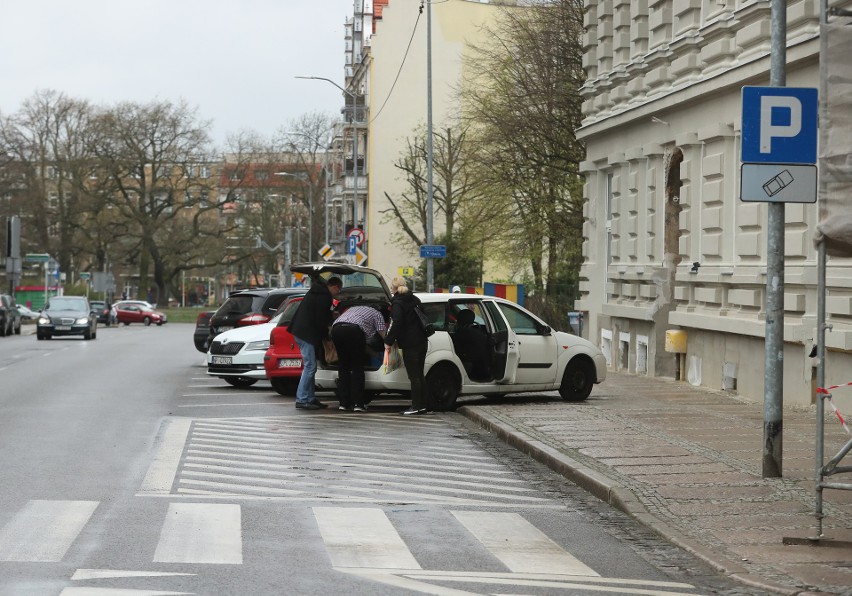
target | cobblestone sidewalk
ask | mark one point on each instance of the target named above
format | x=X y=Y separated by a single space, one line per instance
x=687 y=462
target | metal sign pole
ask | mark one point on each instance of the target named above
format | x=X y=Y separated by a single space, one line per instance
x=773 y=376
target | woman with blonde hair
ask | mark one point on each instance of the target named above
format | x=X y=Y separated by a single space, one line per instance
x=406 y=331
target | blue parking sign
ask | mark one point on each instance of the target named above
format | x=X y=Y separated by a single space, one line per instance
x=779 y=125
x=352 y=244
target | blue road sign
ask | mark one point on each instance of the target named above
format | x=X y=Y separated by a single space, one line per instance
x=779 y=125
x=433 y=251
x=352 y=244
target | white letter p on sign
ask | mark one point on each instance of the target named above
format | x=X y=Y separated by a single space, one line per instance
x=768 y=130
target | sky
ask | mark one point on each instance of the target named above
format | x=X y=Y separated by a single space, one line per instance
x=233 y=60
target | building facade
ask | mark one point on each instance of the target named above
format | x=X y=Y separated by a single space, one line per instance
x=396 y=85
x=668 y=243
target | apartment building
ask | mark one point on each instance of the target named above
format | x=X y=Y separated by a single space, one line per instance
x=392 y=76
x=668 y=243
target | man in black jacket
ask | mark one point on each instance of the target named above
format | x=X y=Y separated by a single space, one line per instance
x=309 y=327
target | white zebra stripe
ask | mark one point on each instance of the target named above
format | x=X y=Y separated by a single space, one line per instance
x=519 y=545
x=43 y=531
x=201 y=533
x=362 y=537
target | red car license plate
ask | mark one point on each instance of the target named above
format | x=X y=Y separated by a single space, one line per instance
x=289 y=362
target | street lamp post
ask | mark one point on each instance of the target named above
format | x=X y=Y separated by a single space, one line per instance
x=354 y=98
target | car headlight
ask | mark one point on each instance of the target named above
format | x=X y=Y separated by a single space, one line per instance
x=258 y=345
x=43 y=321
x=82 y=321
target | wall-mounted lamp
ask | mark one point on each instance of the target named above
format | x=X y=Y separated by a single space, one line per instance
x=695 y=267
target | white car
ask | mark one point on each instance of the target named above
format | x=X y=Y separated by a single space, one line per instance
x=483 y=345
x=237 y=355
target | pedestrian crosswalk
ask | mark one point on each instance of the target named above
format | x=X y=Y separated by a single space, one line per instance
x=370 y=458
x=360 y=540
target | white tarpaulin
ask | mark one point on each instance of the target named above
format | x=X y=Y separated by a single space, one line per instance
x=835 y=141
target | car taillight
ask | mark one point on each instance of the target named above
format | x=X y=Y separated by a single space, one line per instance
x=200 y=318
x=253 y=319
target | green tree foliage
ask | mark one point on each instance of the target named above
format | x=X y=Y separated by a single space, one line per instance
x=521 y=101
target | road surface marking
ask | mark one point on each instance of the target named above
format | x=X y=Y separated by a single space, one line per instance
x=417 y=581
x=117 y=592
x=161 y=473
x=87 y=574
x=201 y=533
x=257 y=403
x=362 y=537
x=519 y=545
x=43 y=531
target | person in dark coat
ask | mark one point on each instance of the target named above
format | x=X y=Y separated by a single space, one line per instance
x=407 y=332
x=309 y=327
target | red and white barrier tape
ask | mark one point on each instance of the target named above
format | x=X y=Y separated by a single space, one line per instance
x=825 y=391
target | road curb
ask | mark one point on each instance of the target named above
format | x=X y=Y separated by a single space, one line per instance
x=612 y=493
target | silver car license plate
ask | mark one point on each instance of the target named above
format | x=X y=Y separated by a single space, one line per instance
x=223 y=328
x=289 y=362
x=222 y=360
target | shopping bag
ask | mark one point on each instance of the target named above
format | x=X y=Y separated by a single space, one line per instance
x=330 y=351
x=393 y=359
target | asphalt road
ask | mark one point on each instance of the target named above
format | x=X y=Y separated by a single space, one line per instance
x=125 y=470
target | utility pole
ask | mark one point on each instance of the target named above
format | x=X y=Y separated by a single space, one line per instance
x=430 y=220
x=773 y=375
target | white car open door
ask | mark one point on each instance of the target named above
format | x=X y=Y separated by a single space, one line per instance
x=504 y=367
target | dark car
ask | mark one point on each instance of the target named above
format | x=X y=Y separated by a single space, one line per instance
x=10 y=317
x=67 y=315
x=102 y=310
x=202 y=330
x=249 y=307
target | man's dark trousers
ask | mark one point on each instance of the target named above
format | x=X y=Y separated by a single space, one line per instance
x=351 y=346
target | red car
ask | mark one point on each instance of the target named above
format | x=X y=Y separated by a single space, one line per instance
x=283 y=360
x=138 y=313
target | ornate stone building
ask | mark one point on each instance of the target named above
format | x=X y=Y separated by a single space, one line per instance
x=668 y=243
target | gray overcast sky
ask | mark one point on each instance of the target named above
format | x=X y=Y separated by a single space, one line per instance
x=235 y=60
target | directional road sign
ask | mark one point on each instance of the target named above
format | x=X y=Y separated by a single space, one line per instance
x=433 y=251
x=37 y=258
x=779 y=125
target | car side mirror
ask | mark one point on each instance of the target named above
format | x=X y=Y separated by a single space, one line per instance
x=545 y=330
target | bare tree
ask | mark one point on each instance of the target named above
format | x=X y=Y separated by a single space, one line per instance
x=521 y=100
x=467 y=207
x=307 y=138
x=48 y=142
x=154 y=156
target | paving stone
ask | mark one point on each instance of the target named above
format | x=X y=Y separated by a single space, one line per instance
x=693 y=459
